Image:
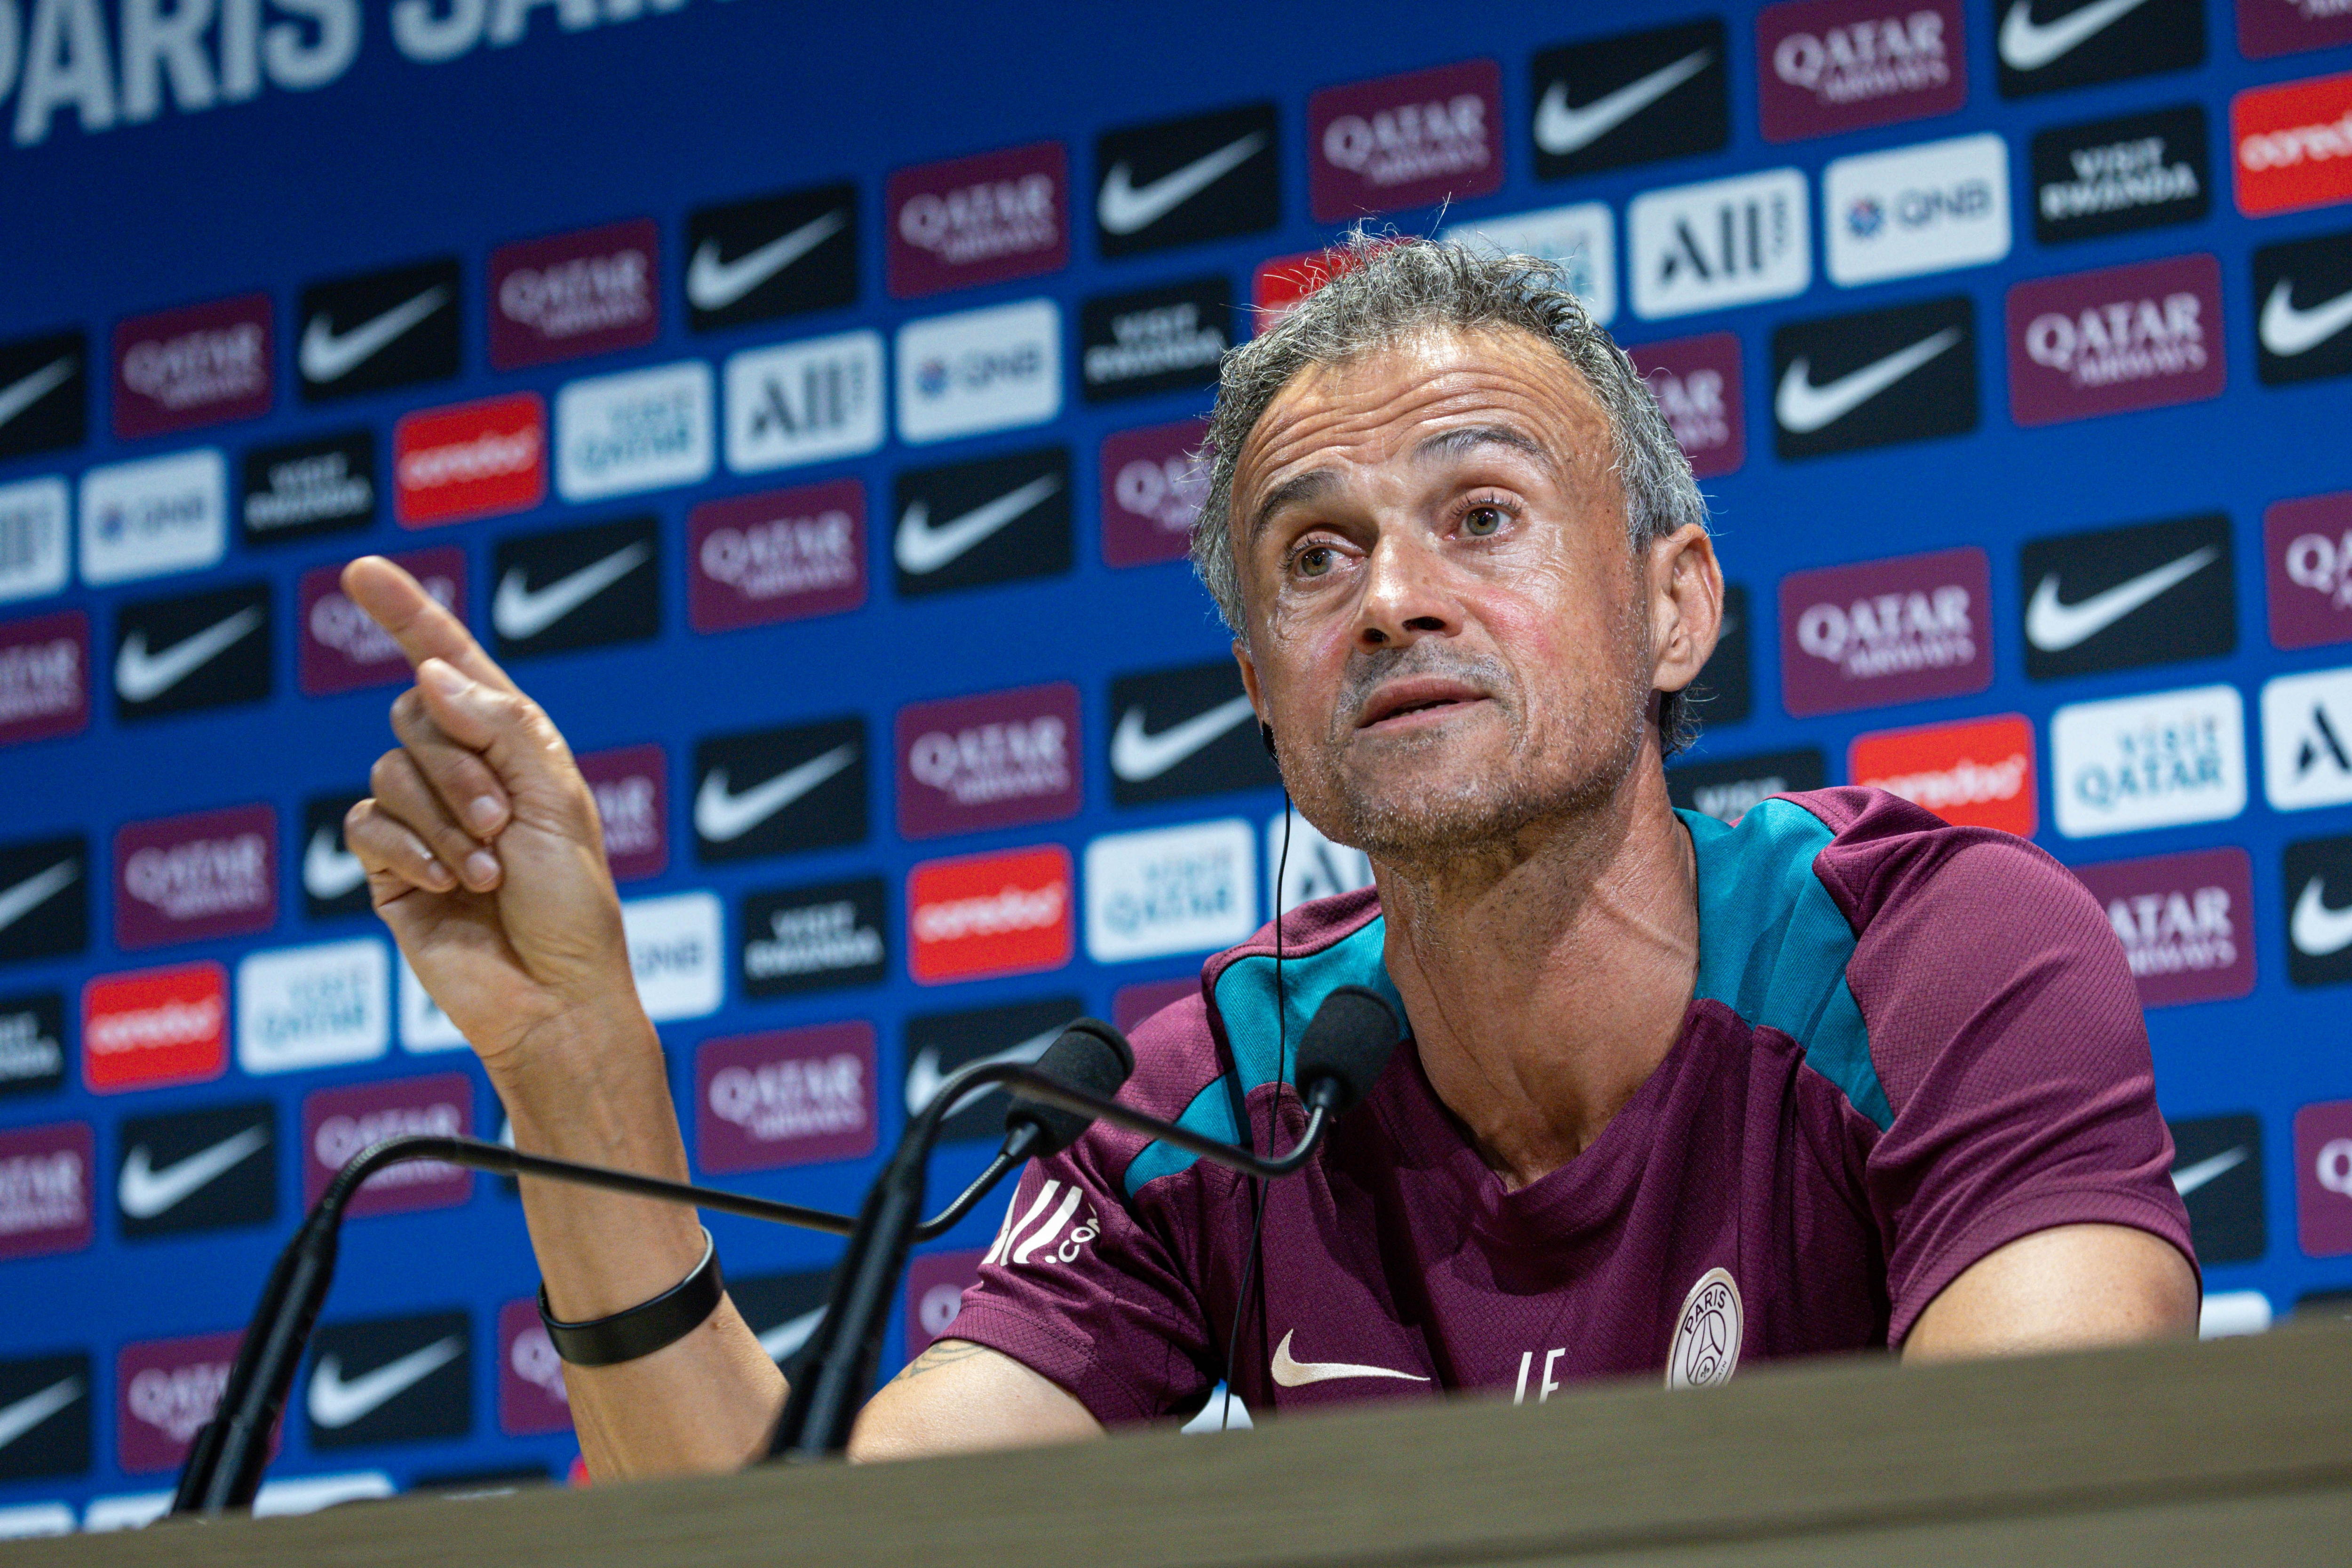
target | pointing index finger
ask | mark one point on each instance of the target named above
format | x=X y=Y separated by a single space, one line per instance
x=416 y=621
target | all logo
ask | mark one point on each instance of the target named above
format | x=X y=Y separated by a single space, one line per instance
x=997 y=369
x=996 y=759
x=303 y=489
x=2186 y=922
x=1179 y=732
x=788 y=1097
x=640 y=430
x=2322 y=1179
x=2217 y=1169
x=2308 y=739
x=772 y=792
x=154 y=1026
x=391 y=1380
x=2317 y=874
x=2303 y=307
x=1729 y=787
x=676 y=955
x=1720 y=243
x=2121 y=598
x=32 y=1042
x=154 y=516
x=48 y=1176
x=632 y=791
x=34 y=560
x=44 y=897
x=197 y=366
x=780 y=255
x=2142 y=336
x=1828 y=66
x=1405 y=140
x=44 y=677
x=576 y=588
x=983 y=915
x=206 y=874
x=2268 y=27
x=2048 y=46
x=781 y=555
x=339 y=646
x=2307 y=552
x=1170 y=890
x=1927 y=209
x=2154 y=761
x=340 y=1124
x=180 y=656
x=2293 y=144
x=165 y=1390
x=998 y=520
x=1886 y=631
x=45 y=1421
x=1634 y=98
x=1905 y=374
x=470 y=461
x=1179 y=181
x=1975 y=773
x=589 y=293
x=1155 y=340
x=815 y=938
x=939 y=1044
x=1723 y=692
x=532 y=1396
x=323 y=1006
x=1580 y=239
x=1151 y=491
x=197 y=1169
x=44 y=394
x=1696 y=384
x=978 y=220
x=805 y=401
x=1307 y=866
x=2112 y=176
x=333 y=882
x=390 y=329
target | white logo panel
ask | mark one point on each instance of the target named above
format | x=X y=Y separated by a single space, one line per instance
x=423 y=1025
x=1581 y=238
x=1170 y=890
x=805 y=401
x=154 y=516
x=314 y=1006
x=2308 y=739
x=980 y=370
x=675 y=944
x=2148 y=761
x=1314 y=869
x=1920 y=209
x=646 y=430
x=33 y=554
x=1720 y=243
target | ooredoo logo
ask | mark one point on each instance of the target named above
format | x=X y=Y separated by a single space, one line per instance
x=155 y=1026
x=983 y=915
x=473 y=459
x=1978 y=774
x=2293 y=144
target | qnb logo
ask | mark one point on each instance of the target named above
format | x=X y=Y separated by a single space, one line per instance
x=1043 y=1233
x=339 y=1139
x=203 y=878
x=586 y=294
x=1012 y=908
x=177 y=1401
x=810 y=1097
x=2122 y=341
x=783 y=555
x=335 y=622
x=198 y=368
x=2183 y=932
x=1411 y=141
x=2313 y=561
x=1920 y=207
x=995 y=761
x=165 y=1025
x=984 y=221
x=978 y=370
x=45 y=1191
x=1892 y=633
x=1965 y=782
x=1866 y=61
x=2118 y=177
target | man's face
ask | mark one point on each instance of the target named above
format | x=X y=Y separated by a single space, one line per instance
x=1448 y=628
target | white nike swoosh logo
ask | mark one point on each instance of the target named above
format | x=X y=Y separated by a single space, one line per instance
x=336 y=1404
x=147 y=1192
x=521 y=611
x=329 y=355
x=1122 y=208
x=924 y=1077
x=1802 y=409
x=23 y=393
x=1299 y=1373
x=2317 y=930
x=1559 y=129
x=330 y=870
x=35 y=890
x=29 y=1412
x=141 y=677
x=2028 y=45
x=2054 y=627
x=2288 y=332
x=1137 y=757
x=721 y=818
x=713 y=285
x=2188 y=1178
x=922 y=549
x=790 y=1334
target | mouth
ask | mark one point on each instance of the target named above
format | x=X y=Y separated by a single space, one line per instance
x=1416 y=702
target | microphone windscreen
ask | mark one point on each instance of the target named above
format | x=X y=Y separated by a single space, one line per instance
x=1090 y=1055
x=1347 y=1044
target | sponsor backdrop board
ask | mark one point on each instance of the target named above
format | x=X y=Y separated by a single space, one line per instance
x=822 y=468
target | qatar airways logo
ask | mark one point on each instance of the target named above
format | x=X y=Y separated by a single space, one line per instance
x=45 y=1189
x=177 y=1400
x=787 y=1097
x=341 y=647
x=178 y=369
x=991 y=761
x=1404 y=140
x=1875 y=59
x=978 y=220
x=2308 y=544
x=339 y=1125
x=1885 y=631
x=44 y=677
x=2183 y=922
x=1839 y=65
x=2123 y=338
x=208 y=874
x=1892 y=632
x=573 y=294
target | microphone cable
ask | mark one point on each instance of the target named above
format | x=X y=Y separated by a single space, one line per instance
x=1250 y=1262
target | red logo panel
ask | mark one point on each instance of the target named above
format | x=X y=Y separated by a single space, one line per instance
x=155 y=1026
x=473 y=459
x=983 y=915
x=2292 y=145
x=1977 y=773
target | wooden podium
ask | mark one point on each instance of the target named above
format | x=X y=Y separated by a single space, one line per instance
x=2234 y=1451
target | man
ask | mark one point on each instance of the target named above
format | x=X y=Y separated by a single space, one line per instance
x=1676 y=1095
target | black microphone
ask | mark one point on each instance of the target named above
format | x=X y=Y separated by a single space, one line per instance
x=1346 y=1045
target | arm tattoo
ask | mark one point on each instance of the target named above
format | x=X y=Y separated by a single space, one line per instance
x=946 y=1353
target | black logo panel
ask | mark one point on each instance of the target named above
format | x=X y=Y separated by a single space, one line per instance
x=939 y=1042
x=2216 y=1168
x=2111 y=176
x=772 y=792
x=333 y=882
x=784 y=1311
x=780 y=255
x=999 y=520
x=577 y=588
x=326 y=485
x=197 y=1169
x=1721 y=694
x=1844 y=383
x=2318 y=877
x=1178 y=181
x=1185 y=731
x=45 y=1417
x=1727 y=787
x=2047 y=46
x=1631 y=99
x=815 y=938
x=2303 y=309
x=394 y=328
x=1156 y=340
x=33 y=1044
x=389 y=1380
x=44 y=394
x=44 y=897
x=2153 y=592
x=180 y=656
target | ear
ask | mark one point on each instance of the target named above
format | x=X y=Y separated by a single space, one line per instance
x=1249 y=680
x=1684 y=585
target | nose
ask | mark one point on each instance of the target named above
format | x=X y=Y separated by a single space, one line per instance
x=1405 y=597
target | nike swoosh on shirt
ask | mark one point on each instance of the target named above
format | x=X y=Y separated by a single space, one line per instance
x=2027 y=45
x=1136 y=756
x=141 y=677
x=1802 y=409
x=329 y=355
x=713 y=285
x=2317 y=930
x=1560 y=128
x=35 y=890
x=146 y=1193
x=330 y=870
x=922 y=549
x=790 y=1334
x=2288 y=330
x=521 y=611
x=721 y=818
x=25 y=390
x=1123 y=207
x=924 y=1077
x=336 y=1404
x=2188 y=1178
x=29 y=1412
x=1299 y=1373
x=2054 y=627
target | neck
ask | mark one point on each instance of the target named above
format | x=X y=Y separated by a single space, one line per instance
x=1547 y=977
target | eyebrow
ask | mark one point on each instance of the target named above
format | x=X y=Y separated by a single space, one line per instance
x=1300 y=489
x=1296 y=491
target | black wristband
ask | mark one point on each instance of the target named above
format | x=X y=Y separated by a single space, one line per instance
x=645 y=1328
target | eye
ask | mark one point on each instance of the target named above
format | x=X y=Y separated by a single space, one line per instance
x=1483 y=521
x=1314 y=560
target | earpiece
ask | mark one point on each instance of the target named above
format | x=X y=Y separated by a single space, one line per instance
x=1265 y=739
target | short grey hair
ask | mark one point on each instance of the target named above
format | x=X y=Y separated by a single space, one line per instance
x=1381 y=289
